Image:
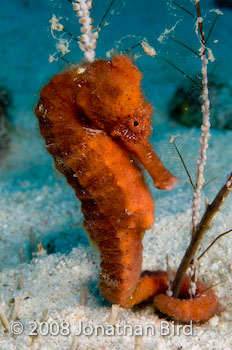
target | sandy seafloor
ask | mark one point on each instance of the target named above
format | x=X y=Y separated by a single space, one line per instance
x=37 y=206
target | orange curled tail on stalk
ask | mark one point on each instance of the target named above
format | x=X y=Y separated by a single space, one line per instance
x=96 y=123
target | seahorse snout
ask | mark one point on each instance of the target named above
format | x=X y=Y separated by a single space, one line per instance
x=144 y=152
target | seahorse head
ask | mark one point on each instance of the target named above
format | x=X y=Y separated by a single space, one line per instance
x=110 y=98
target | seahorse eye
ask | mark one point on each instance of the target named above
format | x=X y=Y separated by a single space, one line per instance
x=136 y=123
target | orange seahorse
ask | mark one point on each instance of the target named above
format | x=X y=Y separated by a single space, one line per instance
x=96 y=124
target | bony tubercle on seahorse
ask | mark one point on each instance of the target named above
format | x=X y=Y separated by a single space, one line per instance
x=96 y=124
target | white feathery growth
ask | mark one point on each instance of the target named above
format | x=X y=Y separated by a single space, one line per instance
x=88 y=39
x=205 y=128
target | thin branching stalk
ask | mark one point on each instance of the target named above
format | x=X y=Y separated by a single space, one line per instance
x=197 y=230
x=214 y=241
x=202 y=227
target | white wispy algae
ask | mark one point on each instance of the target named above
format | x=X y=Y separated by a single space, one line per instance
x=62 y=45
x=88 y=38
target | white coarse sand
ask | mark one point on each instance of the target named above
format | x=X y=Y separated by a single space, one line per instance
x=53 y=288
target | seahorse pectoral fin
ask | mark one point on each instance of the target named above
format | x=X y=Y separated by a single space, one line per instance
x=144 y=152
